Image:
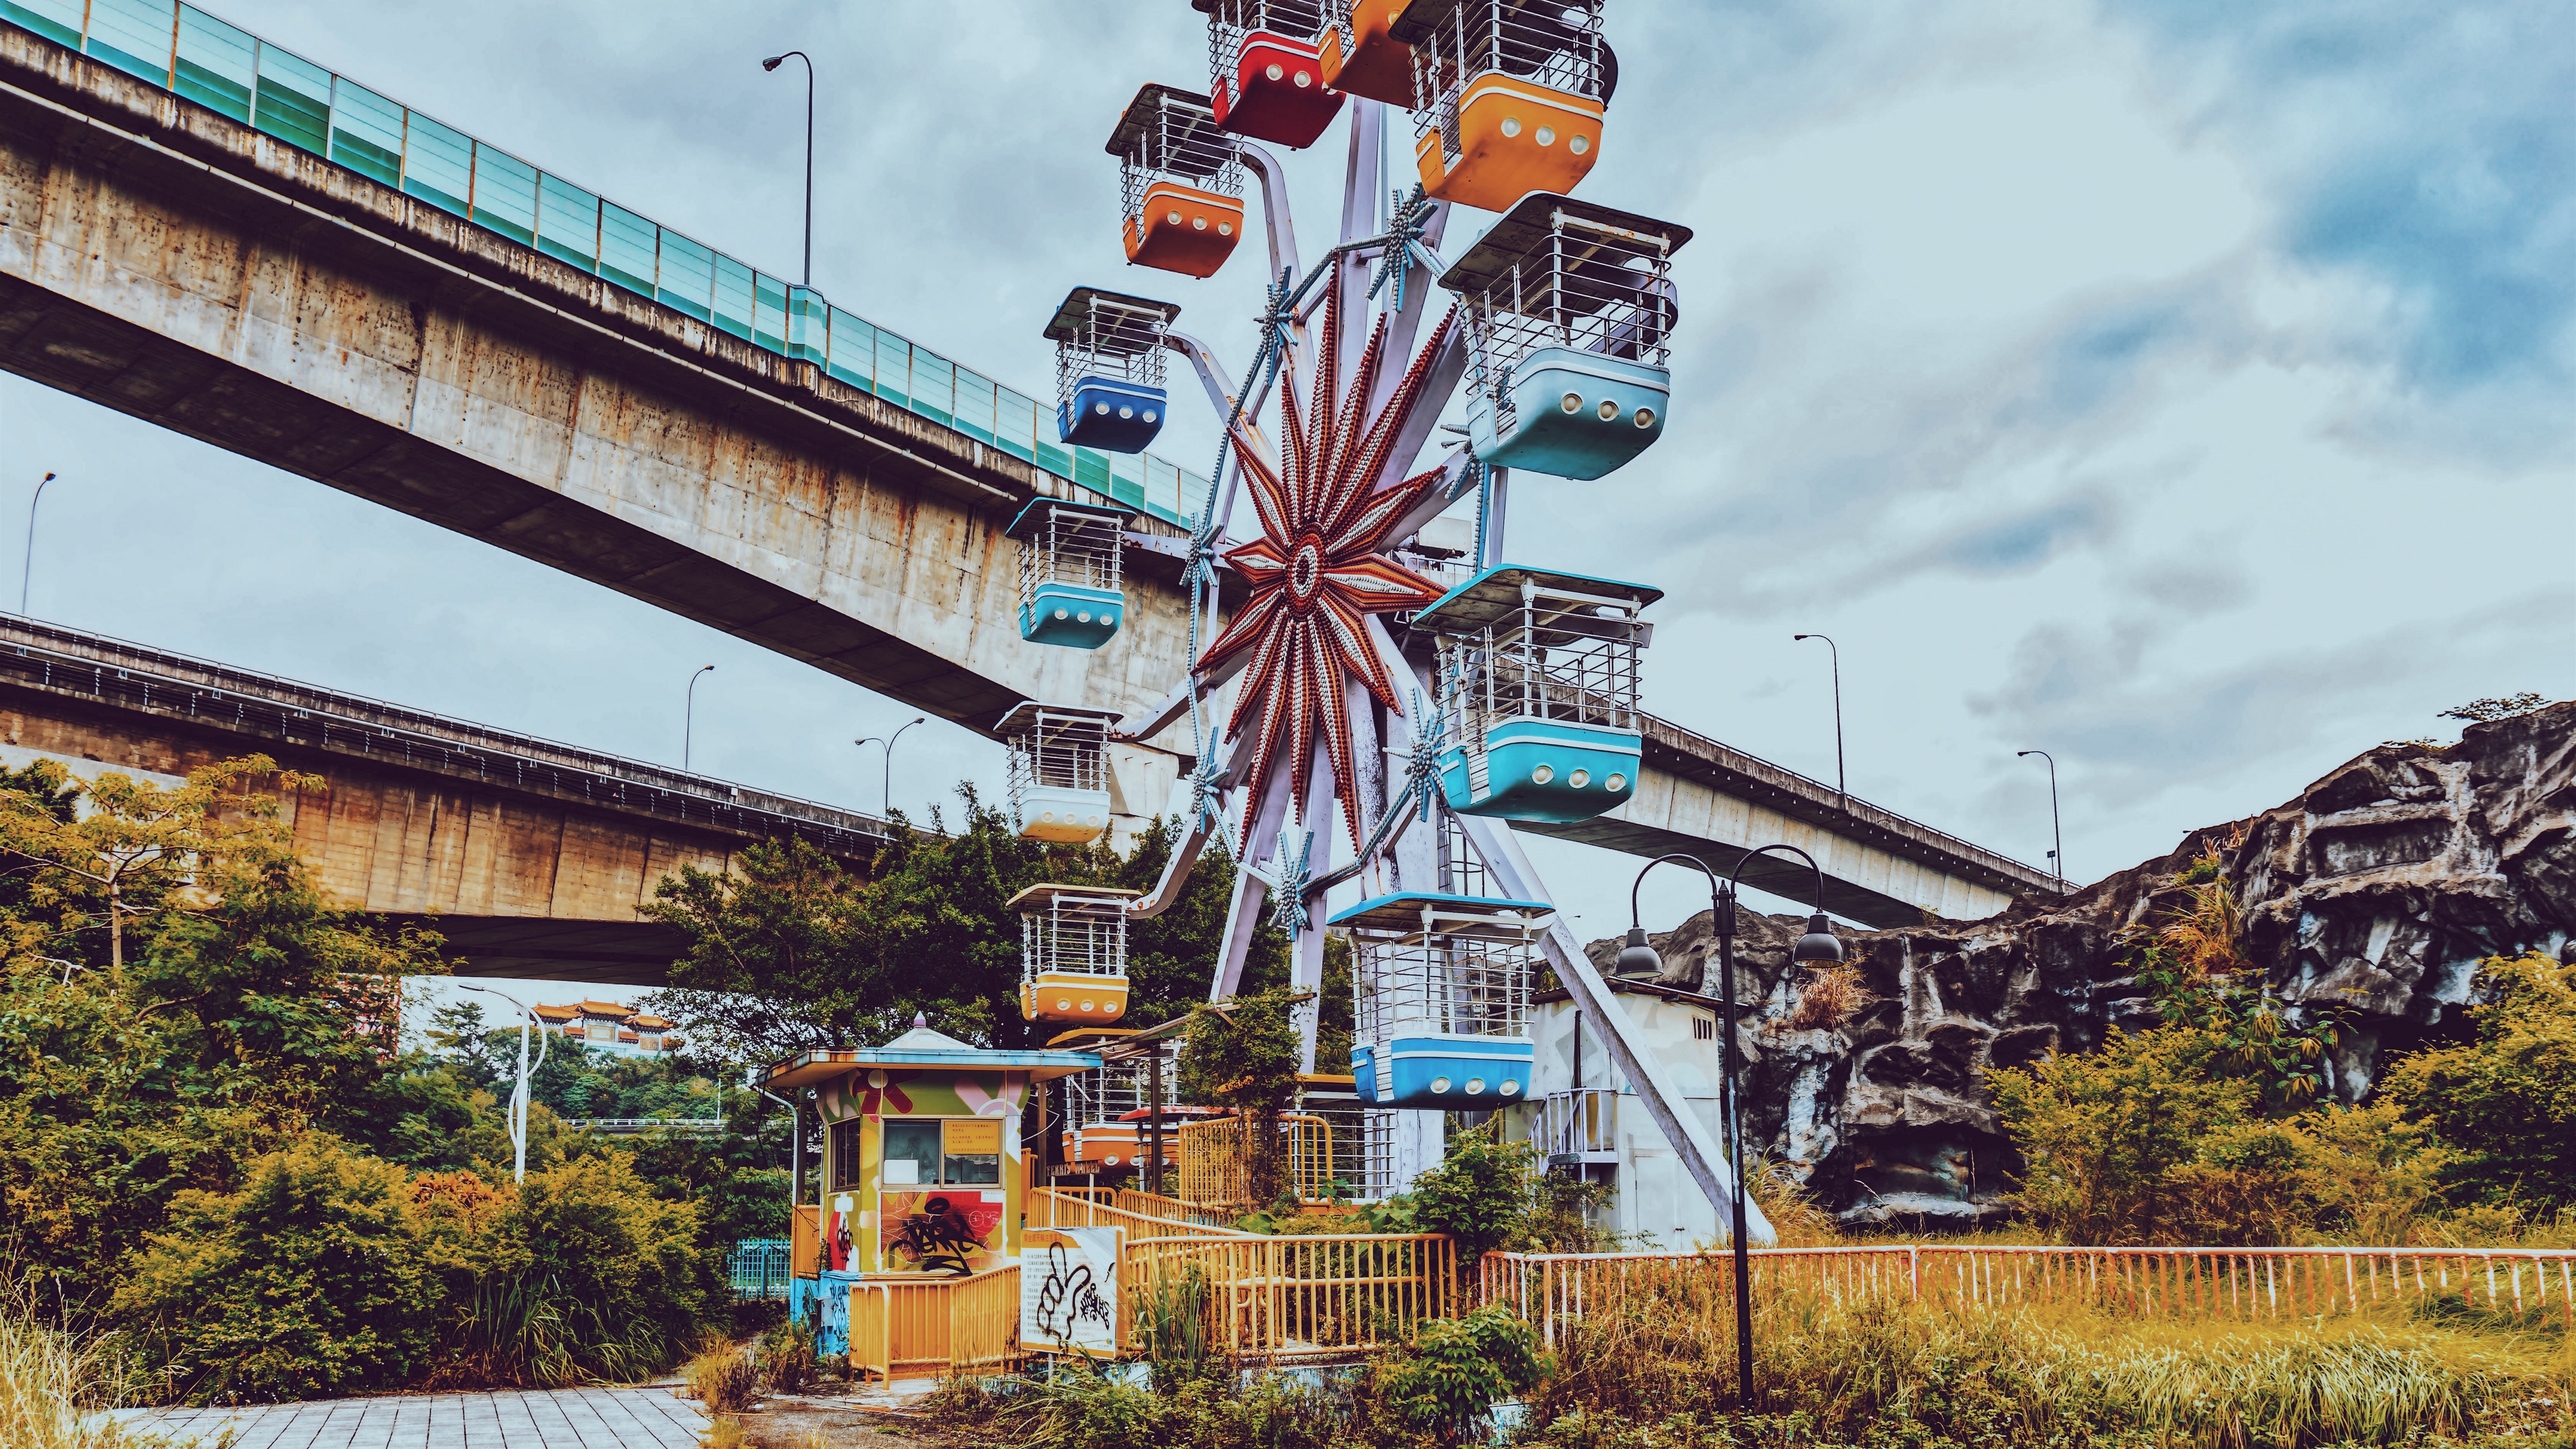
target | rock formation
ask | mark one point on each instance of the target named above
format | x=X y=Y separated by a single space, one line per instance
x=2378 y=890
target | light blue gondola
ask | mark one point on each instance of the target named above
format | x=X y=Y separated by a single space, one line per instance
x=1569 y=307
x=1109 y=369
x=1537 y=678
x=1441 y=1000
x=1069 y=585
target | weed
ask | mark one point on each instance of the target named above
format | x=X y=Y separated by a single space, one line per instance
x=786 y=1356
x=723 y=1379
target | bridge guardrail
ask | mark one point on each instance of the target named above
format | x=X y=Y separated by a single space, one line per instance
x=208 y=61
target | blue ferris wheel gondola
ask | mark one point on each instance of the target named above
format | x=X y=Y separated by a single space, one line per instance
x=1109 y=369
x=1537 y=676
x=1440 y=999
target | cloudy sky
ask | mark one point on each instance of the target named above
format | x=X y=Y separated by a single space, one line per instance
x=2184 y=389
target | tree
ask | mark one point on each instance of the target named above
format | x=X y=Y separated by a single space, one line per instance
x=1244 y=1054
x=2511 y=706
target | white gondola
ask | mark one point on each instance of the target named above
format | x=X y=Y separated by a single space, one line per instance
x=1073 y=953
x=1569 y=307
x=1536 y=681
x=1059 y=770
x=1440 y=999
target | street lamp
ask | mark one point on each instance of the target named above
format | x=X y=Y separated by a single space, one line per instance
x=689 y=716
x=885 y=791
x=518 y=1094
x=2057 y=857
x=1638 y=958
x=1839 y=787
x=27 y=572
x=795 y=1147
x=773 y=63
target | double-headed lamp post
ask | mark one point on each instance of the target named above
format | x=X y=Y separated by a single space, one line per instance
x=518 y=1095
x=1638 y=958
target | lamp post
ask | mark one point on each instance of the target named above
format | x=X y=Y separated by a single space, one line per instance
x=2056 y=835
x=795 y=1147
x=1840 y=788
x=519 y=1094
x=773 y=63
x=885 y=791
x=27 y=571
x=689 y=715
x=1638 y=958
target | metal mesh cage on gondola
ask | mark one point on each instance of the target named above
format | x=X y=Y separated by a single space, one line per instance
x=1536 y=678
x=1069 y=589
x=1180 y=182
x=1059 y=770
x=1107 y=1112
x=1073 y=953
x=1109 y=391
x=1507 y=95
x=1265 y=69
x=1440 y=999
x=1569 y=310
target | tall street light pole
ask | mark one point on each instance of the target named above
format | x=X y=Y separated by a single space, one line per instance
x=27 y=572
x=1840 y=788
x=773 y=63
x=1636 y=957
x=518 y=1117
x=2057 y=835
x=689 y=715
x=885 y=792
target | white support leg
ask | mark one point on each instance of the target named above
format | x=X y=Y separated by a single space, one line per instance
x=1306 y=966
x=1243 y=912
x=1646 y=1074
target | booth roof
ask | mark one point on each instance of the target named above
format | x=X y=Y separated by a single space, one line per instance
x=922 y=1047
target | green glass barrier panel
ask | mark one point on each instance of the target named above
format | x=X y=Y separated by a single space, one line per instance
x=626 y=246
x=57 y=20
x=1091 y=470
x=366 y=132
x=1052 y=456
x=505 y=194
x=1015 y=424
x=294 y=100
x=934 y=385
x=769 y=312
x=808 y=326
x=438 y=164
x=894 y=368
x=687 y=276
x=218 y=64
x=1162 y=488
x=852 y=350
x=733 y=297
x=567 y=222
x=135 y=36
x=1127 y=478
x=974 y=406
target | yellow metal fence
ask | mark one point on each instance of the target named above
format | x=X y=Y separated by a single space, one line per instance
x=1142 y=1214
x=1272 y=1298
x=913 y=1328
x=2209 y=1283
x=1216 y=1168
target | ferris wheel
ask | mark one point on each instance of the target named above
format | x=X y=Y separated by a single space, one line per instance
x=1507 y=688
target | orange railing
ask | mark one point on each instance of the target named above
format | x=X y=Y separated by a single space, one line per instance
x=1215 y=1162
x=1275 y=1298
x=1142 y=1214
x=2230 y=1283
x=917 y=1327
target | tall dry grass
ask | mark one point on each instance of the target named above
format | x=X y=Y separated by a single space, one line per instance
x=2071 y=1376
x=54 y=1387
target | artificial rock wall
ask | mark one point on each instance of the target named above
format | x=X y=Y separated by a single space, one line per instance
x=2379 y=888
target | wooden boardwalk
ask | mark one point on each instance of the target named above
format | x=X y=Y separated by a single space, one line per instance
x=646 y=1418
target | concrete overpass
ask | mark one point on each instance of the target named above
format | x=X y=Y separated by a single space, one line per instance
x=168 y=261
x=530 y=856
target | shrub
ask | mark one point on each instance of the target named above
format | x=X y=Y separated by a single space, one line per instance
x=1479 y=1194
x=723 y=1378
x=1446 y=1381
x=306 y=1283
x=2504 y=1105
x=787 y=1358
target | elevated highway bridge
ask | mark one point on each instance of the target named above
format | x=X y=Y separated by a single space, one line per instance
x=356 y=325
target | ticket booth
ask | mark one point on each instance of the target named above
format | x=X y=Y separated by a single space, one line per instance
x=923 y=1177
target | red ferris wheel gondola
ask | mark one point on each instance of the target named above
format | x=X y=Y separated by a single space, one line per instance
x=1266 y=70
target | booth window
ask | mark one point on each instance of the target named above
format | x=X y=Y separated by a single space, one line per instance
x=911 y=1153
x=973 y=1152
x=845 y=1155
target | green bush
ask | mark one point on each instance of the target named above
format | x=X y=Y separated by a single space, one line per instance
x=2505 y=1105
x=1447 y=1380
x=585 y=1273
x=306 y=1283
